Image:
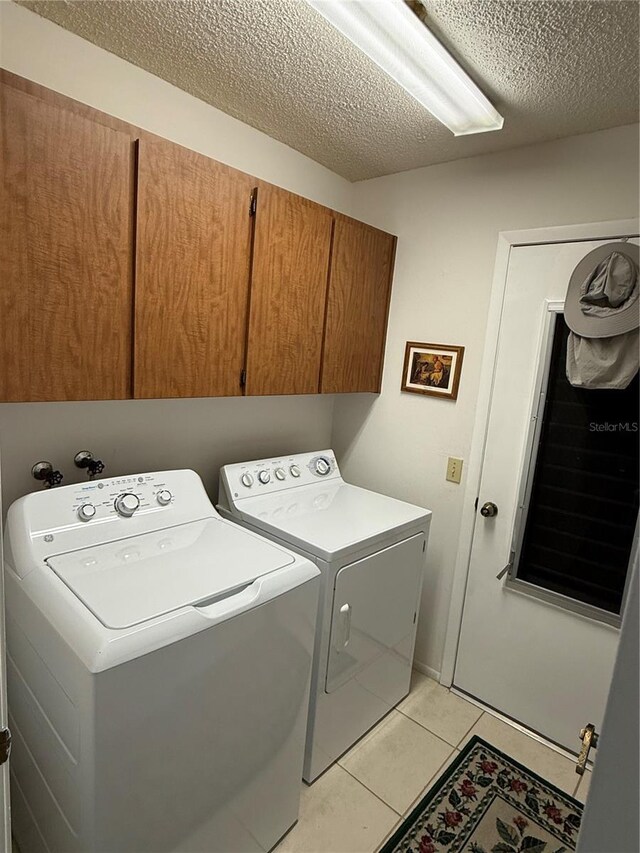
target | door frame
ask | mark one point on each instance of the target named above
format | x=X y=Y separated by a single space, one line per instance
x=506 y=241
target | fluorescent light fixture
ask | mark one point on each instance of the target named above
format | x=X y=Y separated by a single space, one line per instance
x=405 y=49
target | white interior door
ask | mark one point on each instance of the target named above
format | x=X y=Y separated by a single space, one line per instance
x=5 y=823
x=545 y=666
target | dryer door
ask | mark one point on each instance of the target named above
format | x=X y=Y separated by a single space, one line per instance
x=374 y=614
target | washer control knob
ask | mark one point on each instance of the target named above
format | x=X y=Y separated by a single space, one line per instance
x=280 y=474
x=247 y=479
x=127 y=504
x=294 y=470
x=164 y=497
x=86 y=512
x=322 y=466
x=264 y=477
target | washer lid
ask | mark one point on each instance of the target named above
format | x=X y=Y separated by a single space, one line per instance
x=132 y=580
x=330 y=519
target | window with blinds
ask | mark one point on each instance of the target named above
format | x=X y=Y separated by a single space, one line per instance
x=583 y=506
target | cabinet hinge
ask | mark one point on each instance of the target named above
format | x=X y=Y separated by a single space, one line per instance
x=243 y=378
x=5 y=745
x=252 y=204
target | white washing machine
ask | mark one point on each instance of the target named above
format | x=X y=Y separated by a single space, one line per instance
x=159 y=661
x=371 y=551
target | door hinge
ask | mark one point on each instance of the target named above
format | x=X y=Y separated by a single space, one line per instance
x=5 y=745
x=253 y=203
x=243 y=378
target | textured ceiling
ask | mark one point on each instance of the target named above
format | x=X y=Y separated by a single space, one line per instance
x=553 y=68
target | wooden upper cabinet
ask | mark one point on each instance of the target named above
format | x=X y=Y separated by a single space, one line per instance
x=357 y=307
x=292 y=244
x=193 y=250
x=66 y=260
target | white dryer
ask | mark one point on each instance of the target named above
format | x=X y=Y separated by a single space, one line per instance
x=159 y=661
x=371 y=551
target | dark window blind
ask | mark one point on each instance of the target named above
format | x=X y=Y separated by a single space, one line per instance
x=584 y=502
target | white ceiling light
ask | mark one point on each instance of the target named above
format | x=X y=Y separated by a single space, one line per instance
x=390 y=34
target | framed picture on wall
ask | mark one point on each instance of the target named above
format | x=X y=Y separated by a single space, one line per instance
x=432 y=369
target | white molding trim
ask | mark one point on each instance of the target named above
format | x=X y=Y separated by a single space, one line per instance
x=506 y=241
x=426 y=670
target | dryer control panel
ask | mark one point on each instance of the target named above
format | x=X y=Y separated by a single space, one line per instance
x=265 y=476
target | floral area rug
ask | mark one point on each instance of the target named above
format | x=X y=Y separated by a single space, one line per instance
x=486 y=802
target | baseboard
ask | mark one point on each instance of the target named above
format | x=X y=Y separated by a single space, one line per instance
x=427 y=670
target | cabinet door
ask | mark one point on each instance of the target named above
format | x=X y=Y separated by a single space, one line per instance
x=66 y=254
x=357 y=307
x=288 y=289
x=192 y=273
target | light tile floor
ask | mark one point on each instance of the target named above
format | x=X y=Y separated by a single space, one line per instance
x=360 y=801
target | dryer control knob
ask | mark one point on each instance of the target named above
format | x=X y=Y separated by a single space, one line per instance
x=294 y=471
x=86 y=512
x=264 y=477
x=164 y=497
x=322 y=466
x=127 y=504
x=247 y=480
x=280 y=474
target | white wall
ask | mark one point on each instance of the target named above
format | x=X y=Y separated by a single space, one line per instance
x=155 y=435
x=152 y=435
x=447 y=218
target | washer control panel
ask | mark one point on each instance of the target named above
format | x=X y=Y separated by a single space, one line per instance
x=121 y=497
x=68 y=518
x=262 y=476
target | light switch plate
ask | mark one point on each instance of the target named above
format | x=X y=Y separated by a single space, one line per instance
x=454 y=469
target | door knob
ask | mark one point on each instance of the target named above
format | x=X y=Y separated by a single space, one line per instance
x=589 y=738
x=488 y=510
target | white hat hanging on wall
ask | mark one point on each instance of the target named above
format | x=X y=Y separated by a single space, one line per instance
x=602 y=311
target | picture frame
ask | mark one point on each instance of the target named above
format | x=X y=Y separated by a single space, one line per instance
x=432 y=369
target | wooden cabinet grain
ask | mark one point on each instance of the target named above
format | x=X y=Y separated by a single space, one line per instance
x=130 y=266
x=357 y=307
x=66 y=267
x=290 y=264
x=193 y=249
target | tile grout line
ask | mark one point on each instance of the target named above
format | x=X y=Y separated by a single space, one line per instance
x=420 y=795
x=430 y=783
x=386 y=838
x=372 y=732
x=377 y=796
x=470 y=729
x=431 y=732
